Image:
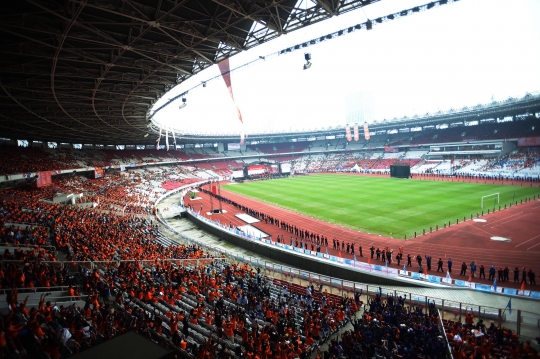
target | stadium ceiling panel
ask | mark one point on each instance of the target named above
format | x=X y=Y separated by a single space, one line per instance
x=87 y=71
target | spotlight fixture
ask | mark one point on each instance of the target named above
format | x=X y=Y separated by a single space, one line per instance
x=146 y=134
x=204 y=84
x=307 y=56
x=184 y=104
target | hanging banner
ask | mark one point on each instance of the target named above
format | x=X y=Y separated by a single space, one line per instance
x=44 y=178
x=348 y=133
x=356 y=135
x=167 y=138
x=98 y=172
x=366 y=131
x=174 y=140
x=226 y=74
x=159 y=138
x=225 y=70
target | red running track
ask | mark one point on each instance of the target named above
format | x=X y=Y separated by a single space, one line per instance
x=464 y=242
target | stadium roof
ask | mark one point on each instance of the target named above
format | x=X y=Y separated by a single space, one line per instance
x=87 y=71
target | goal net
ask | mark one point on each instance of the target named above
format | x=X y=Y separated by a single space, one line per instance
x=495 y=197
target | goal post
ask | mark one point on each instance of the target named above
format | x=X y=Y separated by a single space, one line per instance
x=496 y=197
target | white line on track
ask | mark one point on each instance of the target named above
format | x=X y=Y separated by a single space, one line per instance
x=533 y=246
x=513 y=219
x=480 y=229
x=503 y=219
x=528 y=240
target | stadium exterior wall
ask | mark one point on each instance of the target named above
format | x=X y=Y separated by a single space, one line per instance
x=301 y=262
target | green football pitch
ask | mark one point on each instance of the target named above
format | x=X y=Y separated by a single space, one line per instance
x=387 y=206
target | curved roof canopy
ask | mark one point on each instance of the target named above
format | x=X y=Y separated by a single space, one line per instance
x=87 y=71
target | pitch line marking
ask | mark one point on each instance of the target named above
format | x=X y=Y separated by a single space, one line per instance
x=528 y=240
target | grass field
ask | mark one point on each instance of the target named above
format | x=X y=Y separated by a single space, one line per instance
x=388 y=206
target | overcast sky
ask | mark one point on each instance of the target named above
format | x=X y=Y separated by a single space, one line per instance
x=459 y=54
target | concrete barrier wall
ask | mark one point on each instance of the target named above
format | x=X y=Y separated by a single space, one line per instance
x=302 y=262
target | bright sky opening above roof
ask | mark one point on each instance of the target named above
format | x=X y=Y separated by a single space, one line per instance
x=456 y=55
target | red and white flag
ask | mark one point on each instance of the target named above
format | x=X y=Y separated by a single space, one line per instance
x=225 y=70
x=366 y=131
x=348 y=133
x=159 y=139
x=356 y=135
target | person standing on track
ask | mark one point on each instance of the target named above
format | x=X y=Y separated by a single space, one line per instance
x=428 y=262
x=463 y=269
x=449 y=263
x=482 y=272
x=473 y=268
x=440 y=265
x=491 y=273
x=516 y=275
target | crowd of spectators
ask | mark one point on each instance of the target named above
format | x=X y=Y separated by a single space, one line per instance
x=207 y=309
x=470 y=339
x=389 y=328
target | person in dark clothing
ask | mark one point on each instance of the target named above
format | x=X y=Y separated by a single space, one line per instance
x=360 y=249
x=523 y=275
x=532 y=277
x=372 y=249
x=428 y=262
x=409 y=260
x=500 y=274
x=516 y=275
x=419 y=259
x=463 y=269
x=449 y=263
x=439 y=265
x=378 y=252
x=482 y=272
x=506 y=274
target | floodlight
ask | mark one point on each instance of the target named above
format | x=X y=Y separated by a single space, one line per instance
x=184 y=104
x=146 y=135
x=307 y=56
